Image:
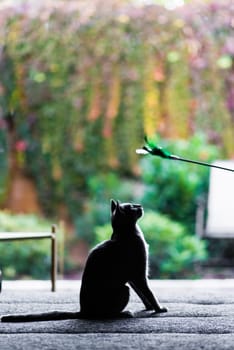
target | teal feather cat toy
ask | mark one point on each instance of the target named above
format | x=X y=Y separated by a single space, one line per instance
x=151 y=148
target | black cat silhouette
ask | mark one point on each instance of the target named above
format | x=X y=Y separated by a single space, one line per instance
x=111 y=265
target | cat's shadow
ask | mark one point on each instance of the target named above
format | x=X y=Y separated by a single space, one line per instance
x=146 y=314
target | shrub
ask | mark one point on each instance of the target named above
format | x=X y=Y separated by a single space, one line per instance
x=172 y=252
x=4 y=166
x=173 y=187
x=24 y=258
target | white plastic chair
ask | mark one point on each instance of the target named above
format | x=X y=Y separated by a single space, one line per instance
x=219 y=221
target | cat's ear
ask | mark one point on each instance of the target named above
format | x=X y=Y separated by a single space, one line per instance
x=113 y=205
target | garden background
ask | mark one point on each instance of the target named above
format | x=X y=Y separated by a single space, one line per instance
x=81 y=83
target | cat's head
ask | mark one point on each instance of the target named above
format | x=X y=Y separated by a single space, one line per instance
x=125 y=213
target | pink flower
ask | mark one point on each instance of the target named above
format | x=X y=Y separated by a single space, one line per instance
x=21 y=145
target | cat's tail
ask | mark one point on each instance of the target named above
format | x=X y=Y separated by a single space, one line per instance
x=45 y=316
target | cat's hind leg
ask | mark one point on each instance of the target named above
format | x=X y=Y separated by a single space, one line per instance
x=116 y=299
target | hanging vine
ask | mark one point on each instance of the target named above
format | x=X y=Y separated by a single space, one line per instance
x=87 y=83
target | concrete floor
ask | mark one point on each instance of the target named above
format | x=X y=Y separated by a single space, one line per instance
x=201 y=316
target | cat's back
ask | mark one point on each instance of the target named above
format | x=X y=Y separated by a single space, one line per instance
x=102 y=257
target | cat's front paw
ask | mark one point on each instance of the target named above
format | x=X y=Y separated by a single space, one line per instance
x=161 y=310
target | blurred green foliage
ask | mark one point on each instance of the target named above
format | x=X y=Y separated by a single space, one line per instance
x=4 y=166
x=174 y=187
x=173 y=250
x=86 y=81
x=27 y=258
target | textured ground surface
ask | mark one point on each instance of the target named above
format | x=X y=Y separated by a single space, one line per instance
x=201 y=316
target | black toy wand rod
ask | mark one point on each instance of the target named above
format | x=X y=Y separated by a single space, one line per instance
x=200 y=163
x=151 y=148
